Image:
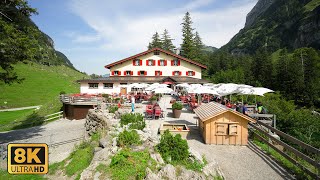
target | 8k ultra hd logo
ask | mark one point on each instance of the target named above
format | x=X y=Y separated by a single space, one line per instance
x=28 y=158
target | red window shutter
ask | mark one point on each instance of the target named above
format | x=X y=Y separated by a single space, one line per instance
x=171 y=62
x=112 y=73
x=155 y=73
x=119 y=73
x=186 y=73
x=147 y=62
x=160 y=73
x=179 y=73
x=178 y=62
x=133 y=63
x=131 y=73
x=138 y=73
x=158 y=62
x=193 y=73
x=165 y=62
x=124 y=73
x=140 y=62
x=172 y=73
x=145 y=73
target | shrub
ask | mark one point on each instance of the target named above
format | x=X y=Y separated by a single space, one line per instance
x=128 y=138
x=136 y=120
x=130 y=165
x=153 y=98
x=177 y=106
x=113 y=109
x=173 y=148
x=105 y=95
x=62 y=92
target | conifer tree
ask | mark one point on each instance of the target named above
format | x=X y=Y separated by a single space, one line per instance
x=198 y=46
x=167 y=41
x=156 y=42
x=187 y=46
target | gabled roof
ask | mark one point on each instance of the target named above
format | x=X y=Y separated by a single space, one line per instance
x=152 y=50
x=213 y=109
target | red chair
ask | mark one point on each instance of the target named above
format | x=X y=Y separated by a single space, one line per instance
x=158 y=113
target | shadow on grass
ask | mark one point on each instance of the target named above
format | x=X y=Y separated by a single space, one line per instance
x=19 y=132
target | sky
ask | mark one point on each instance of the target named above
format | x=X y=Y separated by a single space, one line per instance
x=94 y=33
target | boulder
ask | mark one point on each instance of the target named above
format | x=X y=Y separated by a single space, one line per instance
x=103 y=142
x=151 y=176
x=211 y=169
x=196 y=155
x=167 y=172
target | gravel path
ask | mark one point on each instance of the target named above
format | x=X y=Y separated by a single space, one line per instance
x=52 y=134
x=21 y=108
x=236 y=162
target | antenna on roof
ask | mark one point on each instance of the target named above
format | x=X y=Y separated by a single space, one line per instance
x=5 y=16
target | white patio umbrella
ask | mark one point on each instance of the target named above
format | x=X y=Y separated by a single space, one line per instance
x=163 y=90
x=184 y=85
x=227 y=89
x=260 y=91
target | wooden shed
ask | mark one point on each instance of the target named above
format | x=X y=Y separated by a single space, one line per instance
x=221 y=125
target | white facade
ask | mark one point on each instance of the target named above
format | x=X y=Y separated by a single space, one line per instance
x=166 y=70
x=185 y=68
x=84 y=88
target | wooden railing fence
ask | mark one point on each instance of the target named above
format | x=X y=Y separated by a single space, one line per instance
x=265 y=133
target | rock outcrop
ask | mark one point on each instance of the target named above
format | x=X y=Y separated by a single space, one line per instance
x=97 y=120
x=258 y=9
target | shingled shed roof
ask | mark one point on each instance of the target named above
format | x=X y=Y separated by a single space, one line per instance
x=212 y=109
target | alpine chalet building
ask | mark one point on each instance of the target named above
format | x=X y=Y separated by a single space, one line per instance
x=152 y=66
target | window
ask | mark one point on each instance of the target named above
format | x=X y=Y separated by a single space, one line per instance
x=137 y=62
x=142 y=73
x=156 y=53
x=107 y=85
x=158 y=73
x=175 y=62
x=190 y=73
x=233 y=129
x=221 y=129
x=116 y=73
x=176 y=73
x=162 y=62
x=150 y=62
x=93 y=85
x=128 y=73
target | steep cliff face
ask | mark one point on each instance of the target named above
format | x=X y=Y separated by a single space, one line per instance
x=275 y=24
x=258 y=9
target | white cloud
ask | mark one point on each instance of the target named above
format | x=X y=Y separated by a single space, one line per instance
x=120 y=31
x=128 y=32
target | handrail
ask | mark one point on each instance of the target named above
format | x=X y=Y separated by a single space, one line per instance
x=290 y=138
x=288 y=147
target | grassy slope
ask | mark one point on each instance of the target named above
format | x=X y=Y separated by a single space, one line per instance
x=9 y=116
x=312 y=5
x=41 y=86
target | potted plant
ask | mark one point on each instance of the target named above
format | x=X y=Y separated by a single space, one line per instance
x=176 y=109
x=153 y=99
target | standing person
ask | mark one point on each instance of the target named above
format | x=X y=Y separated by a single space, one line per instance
x=245 y=108
x=132 y=103
x=261 y=109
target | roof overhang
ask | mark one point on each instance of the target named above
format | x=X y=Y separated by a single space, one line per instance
x=152 y=50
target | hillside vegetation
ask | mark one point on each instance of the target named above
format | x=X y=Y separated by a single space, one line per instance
x=284 y=24
x=41 y=85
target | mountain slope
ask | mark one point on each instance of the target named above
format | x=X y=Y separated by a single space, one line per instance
x=42 y=85
x=275 y=24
